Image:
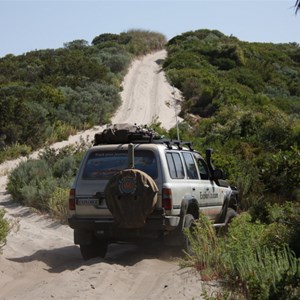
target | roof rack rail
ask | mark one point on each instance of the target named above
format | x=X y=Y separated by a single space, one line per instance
x=179 y=144
x=189 y=144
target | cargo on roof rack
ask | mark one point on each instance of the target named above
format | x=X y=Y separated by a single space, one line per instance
x=127 y=133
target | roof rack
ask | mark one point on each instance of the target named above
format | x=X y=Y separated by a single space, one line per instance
x=126 y=133
x=131 y=133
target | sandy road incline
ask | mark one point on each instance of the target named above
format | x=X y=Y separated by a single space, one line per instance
x=40 y=260
x=147 y=96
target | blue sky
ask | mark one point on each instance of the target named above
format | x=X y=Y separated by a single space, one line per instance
x=30 y=25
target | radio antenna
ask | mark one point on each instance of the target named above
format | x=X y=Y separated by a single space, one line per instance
x=176 y=118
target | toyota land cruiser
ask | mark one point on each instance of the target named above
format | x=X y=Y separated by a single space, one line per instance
x=133 y=185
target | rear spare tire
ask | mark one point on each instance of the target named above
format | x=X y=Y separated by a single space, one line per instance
x=131 y=196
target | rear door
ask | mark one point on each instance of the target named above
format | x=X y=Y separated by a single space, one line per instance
x=202 y=189
x=98 y=167
x=175 y=180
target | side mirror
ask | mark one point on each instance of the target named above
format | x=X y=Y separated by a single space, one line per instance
x=218 y=174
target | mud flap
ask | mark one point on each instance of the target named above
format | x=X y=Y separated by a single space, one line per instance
x=82 y=237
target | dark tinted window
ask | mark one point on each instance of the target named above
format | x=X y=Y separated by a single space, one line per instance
x=103 y=165
x=175 y=165
x=190 y=165
x=202 y=169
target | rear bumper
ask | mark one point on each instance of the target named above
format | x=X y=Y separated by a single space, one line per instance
x=105 y=228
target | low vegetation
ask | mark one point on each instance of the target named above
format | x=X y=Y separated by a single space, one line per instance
x=45 y=183
x=46 y=95
x=4 y=228
x=253 y=258
x=243 y=100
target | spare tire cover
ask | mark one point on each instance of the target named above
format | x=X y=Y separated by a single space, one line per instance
x=131 y=196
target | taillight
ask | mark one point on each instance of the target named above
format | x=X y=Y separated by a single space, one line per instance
x=72 y=199
x=167 y=199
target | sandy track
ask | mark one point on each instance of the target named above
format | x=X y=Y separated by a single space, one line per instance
x=147 y=96
x=40 y=260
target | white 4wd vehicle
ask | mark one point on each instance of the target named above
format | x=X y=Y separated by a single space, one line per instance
x=133 y=186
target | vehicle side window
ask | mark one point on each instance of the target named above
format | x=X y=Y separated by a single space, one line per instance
x=175 y=165
x=202 y=169
x=190 y=166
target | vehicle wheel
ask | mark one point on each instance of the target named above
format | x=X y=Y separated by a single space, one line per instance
x=189 y=223
x=230 y=214
x=98 y=248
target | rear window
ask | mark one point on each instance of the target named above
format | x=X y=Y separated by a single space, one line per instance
x=103 y=165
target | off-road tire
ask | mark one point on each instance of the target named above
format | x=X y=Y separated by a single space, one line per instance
x=230 y=214
x=189 y=223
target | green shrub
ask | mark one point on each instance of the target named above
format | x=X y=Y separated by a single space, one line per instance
x=206 y=252
x=243 y=238
x=114 y=58
x=286 y=220
x=260 y=272
x=246 y=258
x=281 y=172
x=256 y=258
x=4 y=228
x=65 y=167
x=46 y=94
x=26 y=178
x=59 y=131
x=14 y=151
x=76 y=151
x=244 y=96
x=137 y=42
x=34 y=181
x=58 y=204
x=37 y=193
x=43 y=183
